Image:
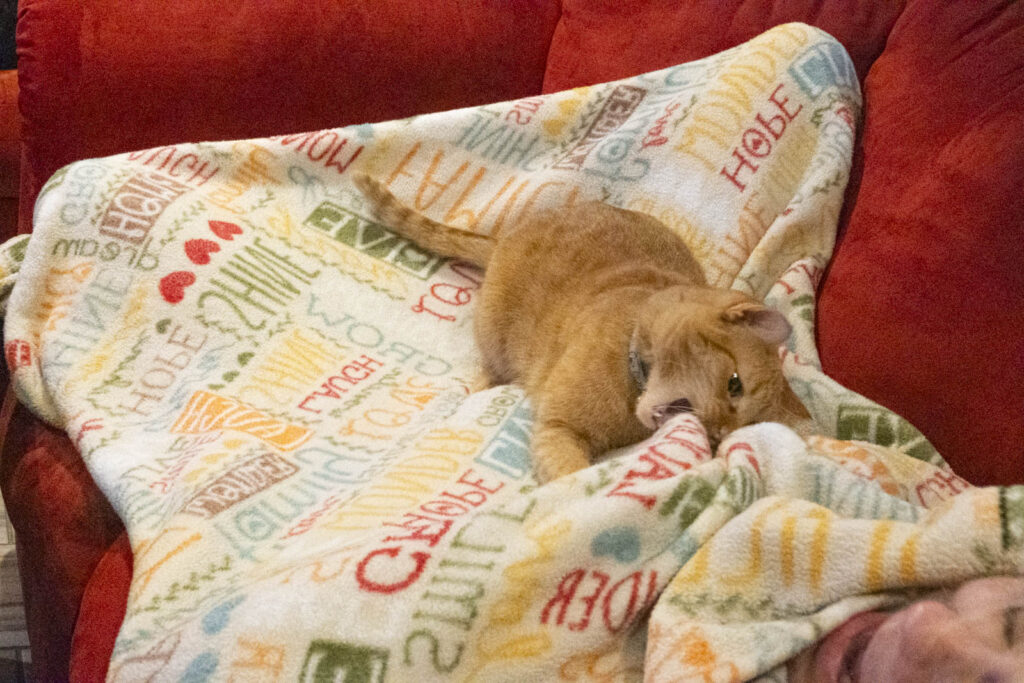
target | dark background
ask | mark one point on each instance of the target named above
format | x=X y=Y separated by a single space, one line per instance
x=8 y=13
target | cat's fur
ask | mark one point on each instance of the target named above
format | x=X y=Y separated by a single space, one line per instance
x=570 y=292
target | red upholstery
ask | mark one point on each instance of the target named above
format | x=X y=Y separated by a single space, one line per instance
x=103 y=605
x=63 y=526
x=922 y=307
x=104 y=77
x=600 y=41
x=10 y=153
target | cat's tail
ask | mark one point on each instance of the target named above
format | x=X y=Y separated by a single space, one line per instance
x=437 y=237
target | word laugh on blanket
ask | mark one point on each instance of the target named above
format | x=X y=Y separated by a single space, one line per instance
x=206 y=412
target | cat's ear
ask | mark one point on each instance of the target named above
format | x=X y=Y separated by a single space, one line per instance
x=767 y=323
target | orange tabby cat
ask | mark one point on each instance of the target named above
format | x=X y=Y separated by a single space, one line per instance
x=605 y=319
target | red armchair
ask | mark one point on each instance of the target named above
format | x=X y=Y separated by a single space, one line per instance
x=922 y=308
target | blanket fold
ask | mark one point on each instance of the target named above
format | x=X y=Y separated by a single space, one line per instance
x=272 y=390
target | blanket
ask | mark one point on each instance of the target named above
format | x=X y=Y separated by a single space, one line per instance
x=272 y=390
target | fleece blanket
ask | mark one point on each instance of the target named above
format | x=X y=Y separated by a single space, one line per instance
x=272 y=390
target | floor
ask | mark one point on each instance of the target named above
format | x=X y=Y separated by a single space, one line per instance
x=15 y=657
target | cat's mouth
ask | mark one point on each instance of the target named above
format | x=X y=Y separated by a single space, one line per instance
x=662 y=413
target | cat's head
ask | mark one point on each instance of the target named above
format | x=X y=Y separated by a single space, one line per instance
x=713 y=352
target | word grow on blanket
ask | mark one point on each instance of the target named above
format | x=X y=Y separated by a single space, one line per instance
x=271 y=389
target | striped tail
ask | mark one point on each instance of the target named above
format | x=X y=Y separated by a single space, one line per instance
x=429 y=234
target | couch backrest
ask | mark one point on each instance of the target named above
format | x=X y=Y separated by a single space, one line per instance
x=99 y=78
x=598 y=41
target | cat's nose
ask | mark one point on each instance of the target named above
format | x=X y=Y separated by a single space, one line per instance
x=662 y=413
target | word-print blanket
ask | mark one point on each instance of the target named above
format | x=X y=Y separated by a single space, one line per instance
x=272 y=390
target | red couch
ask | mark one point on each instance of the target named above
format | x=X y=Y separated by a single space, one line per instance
x=922 y=308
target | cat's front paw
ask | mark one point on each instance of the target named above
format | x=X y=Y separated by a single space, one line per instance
x=556 y=452
x=549 y=471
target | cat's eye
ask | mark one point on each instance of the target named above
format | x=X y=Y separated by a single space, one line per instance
x=735 y=386
x=645 y=369
x=639 y=368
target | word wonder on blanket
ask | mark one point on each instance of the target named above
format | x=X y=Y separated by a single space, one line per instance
x=271 y=388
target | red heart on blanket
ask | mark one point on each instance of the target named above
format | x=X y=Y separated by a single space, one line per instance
x=198 y=251
x=224 y=230
x=172 y=285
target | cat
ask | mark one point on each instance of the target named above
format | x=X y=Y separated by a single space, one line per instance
x=605 y=319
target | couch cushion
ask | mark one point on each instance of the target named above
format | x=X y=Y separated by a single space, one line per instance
x=100 y=78
x=609 y=39
x=923 y=307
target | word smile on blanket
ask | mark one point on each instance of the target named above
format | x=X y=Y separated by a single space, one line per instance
x=255 y=284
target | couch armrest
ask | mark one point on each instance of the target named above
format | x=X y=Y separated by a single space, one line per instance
x=10 y=153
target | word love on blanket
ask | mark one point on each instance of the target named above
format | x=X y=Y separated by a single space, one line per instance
x=271 y=389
